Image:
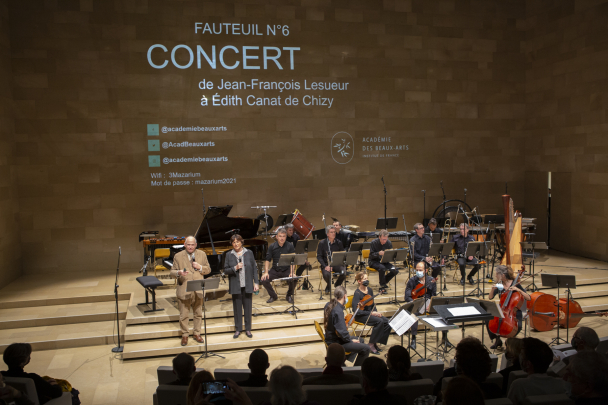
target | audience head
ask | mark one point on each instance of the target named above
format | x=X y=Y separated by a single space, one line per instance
x=513 y=348
x=472 y=359
x=398 y=362
x=195 y=384
x=258 y=362
x=585 y=339
x=462 y=390
x=335 y=355
x=374 y=375
x=535 y=356
x=587 y=373
x=285 y=385
x=17 y=355
x=183 y=366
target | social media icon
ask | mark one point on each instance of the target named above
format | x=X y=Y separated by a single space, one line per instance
x=154 y=161
x=154 y=146
x=152 y=129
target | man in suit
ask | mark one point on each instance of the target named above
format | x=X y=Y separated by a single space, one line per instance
x=190 y=264
x=333 y=373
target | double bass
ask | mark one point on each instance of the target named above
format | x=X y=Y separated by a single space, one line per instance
x=512 y=301
x=542 y=312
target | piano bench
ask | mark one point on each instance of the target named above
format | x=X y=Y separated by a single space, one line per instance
x=150 y=283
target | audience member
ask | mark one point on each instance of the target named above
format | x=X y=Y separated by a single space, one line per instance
x=587 y=374
x=512 y=350
x=535 y=358
x=10 y=395
x=585 y=339
x=333 y=373
x=17 y=356
x=462 y=390
x=399 y=364
x=374 y=379
x=184 y=368
x=258 y=364
x=233 y=393
x=195 y=395
x=472 y=360
x=286 y=387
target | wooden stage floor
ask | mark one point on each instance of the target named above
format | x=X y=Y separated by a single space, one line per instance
x=68 y=318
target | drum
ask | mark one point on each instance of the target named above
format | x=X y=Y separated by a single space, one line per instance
x=301 y=225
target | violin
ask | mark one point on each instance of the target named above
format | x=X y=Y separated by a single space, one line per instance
x=366 y=300
x=510 y=303
x=419 y=290
x=542 y=312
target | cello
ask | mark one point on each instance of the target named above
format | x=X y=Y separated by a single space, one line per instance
x=510 y=303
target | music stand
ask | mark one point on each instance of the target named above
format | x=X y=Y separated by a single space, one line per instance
x=292 y=259
x=305 y=246
x=360 y=247
x=394 y=255
x=559 y=281
x=435 y=301
x=533 y=246
x=284 y=219
x=435 y=237
x=198 y=285
x=390 y=223
x=477 y=250
x=494 y=219
x=465 y=312
x=401 y=324
x=441 y=249
x=490 y=306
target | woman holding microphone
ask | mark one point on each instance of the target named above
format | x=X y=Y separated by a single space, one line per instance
x=242 y=270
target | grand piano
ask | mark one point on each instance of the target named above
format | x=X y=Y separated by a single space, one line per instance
x=217 y=224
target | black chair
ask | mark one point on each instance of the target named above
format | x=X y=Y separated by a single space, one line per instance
x=150 y=283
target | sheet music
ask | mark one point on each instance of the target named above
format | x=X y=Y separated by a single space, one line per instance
x=402 y=322
x=424 y=308
x=436 y=322
x=463 y=311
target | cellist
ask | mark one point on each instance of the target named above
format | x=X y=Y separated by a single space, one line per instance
x=504 y=284
x=369 y=315
x=431 y=290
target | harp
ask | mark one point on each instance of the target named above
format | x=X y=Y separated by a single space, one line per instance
x=513 y=235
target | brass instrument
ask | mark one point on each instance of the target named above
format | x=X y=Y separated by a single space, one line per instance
x=448 y=225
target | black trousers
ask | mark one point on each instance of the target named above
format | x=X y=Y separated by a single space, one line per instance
x=341 y=270
x=381 y=329
x=358 y=350
x=299 y=271
x=242 y=303
x=518 y=316
x=462 y=262
x=383 y=269
x=273 y=274
x=435 y=267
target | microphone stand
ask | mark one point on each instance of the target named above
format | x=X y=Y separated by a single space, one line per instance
x=385 y=221
x=423 y=205
x=119 y=348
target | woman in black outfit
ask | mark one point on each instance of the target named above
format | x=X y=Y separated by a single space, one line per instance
x=242 y=270
x=369 y=314
x=504 y=284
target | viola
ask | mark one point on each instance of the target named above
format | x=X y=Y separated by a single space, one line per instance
x=367 y=299
x=510 y=303
x=543 y=316
x=419 y=290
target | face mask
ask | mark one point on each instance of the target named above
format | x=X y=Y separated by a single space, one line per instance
x=420 y=274
x=500 y=286
x=346 y=302
x=365 y=283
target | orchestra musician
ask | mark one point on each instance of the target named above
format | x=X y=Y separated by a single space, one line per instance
x=341 y=234
x=190 y=264
x=275 y=250
x=422 y=245
x=504 y=284
x=325 y=248
x=293 y=238
x=460 y=244
x=432 y=228
x=336 y=330
x=376 y=251
x=419 y=279
x=242 y=272
x=369 y=314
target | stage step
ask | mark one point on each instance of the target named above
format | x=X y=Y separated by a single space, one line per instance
x=64 y=300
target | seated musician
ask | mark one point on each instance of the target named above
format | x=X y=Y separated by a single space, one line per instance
x=369 y=314
x=421 y=246
x=336 y=330
x=324 y=250
x=413 y=284
x=342 y=234
x=432 y=228
x=504 y=284
x=279 y=247
x=293 y=238
x=460 y=244
x=376 y=251
x=190 y=264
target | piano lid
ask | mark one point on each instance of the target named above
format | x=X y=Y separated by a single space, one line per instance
x=220 y=223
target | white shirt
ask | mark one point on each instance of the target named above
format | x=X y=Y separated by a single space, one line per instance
x=535 y=384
